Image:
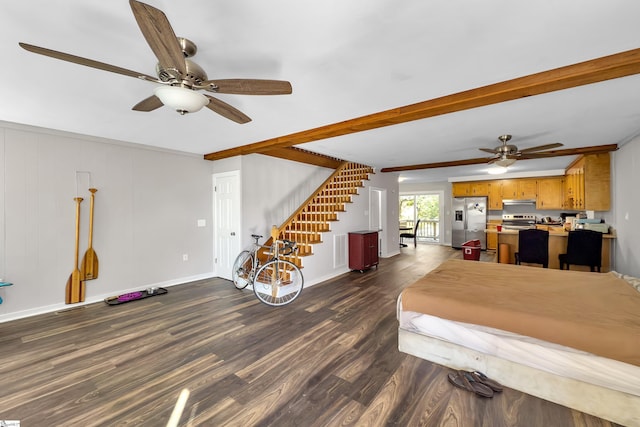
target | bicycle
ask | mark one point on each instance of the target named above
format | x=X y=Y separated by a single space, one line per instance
x=276 y=282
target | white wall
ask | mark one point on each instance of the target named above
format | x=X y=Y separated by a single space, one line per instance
x=146 y=210
x=272 y=189
x=626 y=208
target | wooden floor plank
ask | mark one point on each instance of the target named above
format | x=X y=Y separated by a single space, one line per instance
x=328 y=359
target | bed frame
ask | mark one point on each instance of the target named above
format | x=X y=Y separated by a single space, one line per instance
x=612 y=405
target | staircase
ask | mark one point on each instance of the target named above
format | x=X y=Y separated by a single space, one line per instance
x=312 y=218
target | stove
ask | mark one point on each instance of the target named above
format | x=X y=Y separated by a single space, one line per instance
x=518 y=221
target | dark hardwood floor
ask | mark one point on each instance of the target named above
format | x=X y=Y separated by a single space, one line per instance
x=328 y=359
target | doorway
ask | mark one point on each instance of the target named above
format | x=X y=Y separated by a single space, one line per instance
x=426 y=206
x=226 y=222
x=377 y=214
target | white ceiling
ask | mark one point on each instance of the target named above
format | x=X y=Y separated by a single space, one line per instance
x=344 y=58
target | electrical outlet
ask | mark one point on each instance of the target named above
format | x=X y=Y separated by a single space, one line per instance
x=185 y=257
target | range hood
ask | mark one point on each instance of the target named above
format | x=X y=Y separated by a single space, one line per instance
x=513 y=202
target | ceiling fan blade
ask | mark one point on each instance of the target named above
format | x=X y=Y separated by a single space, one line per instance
x=536 y=155
x=250 y=86
x=159 y=35
x=226 y=110
x=488 y=150
x=148 y=104
x=541 y=147
x=84 y=61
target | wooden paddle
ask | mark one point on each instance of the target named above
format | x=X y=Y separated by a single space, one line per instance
x=89 y=266
x=73 y=292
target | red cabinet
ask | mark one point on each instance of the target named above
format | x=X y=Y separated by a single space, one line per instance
x=363 y=249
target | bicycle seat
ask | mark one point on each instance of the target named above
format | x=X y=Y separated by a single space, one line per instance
x=256 y=236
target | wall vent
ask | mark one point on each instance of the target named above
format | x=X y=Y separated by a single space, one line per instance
x=340 y=254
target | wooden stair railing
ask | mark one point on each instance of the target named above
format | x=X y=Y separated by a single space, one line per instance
x=313 y=216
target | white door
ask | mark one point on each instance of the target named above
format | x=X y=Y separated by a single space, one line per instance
x=226 y=211
x=377 y=217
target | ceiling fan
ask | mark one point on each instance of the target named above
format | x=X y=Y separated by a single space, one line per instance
x=507 y=154
x=181 y=79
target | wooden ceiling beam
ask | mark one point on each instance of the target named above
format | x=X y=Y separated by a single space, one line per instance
x=583 y=73
x=597 y=149
x=304 y=156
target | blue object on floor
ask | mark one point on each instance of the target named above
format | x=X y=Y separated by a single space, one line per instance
x=2 y=284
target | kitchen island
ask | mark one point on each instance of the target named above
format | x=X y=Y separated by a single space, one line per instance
x=557 y=246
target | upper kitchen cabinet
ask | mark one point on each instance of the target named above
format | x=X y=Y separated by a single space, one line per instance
x=519 y=188
x=550 y=193
x=574 y=185
x=479 y=188
x=472 y=188
x=588 y=183
x=495 y=195
x=461 y=189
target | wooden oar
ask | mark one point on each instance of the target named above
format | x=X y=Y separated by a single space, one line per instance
x=89 y=267
x=73 y=292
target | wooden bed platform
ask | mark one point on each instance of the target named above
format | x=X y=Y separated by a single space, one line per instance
x=612 y=405
x=458 y=290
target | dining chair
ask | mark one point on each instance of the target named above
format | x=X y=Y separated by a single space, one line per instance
x=584 y=247
x=533 y=247
x=413 y=235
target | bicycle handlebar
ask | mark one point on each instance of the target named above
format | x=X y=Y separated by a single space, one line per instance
x=289 y=246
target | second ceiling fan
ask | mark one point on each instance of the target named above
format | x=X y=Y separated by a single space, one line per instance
x=180 y=77
x=507 y=154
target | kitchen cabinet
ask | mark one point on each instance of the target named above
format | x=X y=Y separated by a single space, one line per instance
x=550 y=193
x=519 y=188
x=470 y=189
x=495 y=195
x=589 y=183
x=461 y=189
x=585 y=185
x=363 y=250
x=492 y=237
x=509 y=188
x=527 y=189
x=574 y=187
x=479 y=188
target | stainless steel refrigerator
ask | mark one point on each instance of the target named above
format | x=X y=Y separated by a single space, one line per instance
x=469 y=220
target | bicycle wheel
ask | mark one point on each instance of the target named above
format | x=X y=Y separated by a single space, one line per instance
x=242 y=267
x=278 y=282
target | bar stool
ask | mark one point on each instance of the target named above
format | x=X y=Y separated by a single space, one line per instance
x=584 y=247
x=533 y=247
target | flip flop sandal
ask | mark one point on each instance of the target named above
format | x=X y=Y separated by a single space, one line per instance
x=482 y=378
x=465 y=381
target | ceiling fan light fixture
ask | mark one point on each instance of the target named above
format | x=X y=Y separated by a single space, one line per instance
x=181 y=99
x=504 y=162
x=497 y=170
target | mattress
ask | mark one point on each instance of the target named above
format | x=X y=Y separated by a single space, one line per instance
x=594 y=313
x=549 y=357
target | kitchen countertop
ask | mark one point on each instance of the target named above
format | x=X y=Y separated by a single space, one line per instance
x=551 y=233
